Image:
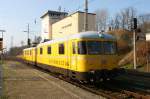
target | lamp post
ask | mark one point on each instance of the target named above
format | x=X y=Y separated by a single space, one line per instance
x=28 y=39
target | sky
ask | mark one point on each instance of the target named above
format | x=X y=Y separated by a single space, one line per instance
x=16 y=14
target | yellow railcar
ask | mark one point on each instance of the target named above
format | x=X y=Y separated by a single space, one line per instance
x=84 y=56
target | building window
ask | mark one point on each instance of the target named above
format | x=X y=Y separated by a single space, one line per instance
x=41 y=51
x=73 y=48
x=49 y=50
x=61 y=49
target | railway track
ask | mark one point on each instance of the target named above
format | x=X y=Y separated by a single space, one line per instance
x=113 y=89
x=106 y=89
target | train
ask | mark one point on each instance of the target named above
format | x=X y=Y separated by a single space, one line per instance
x=86 y=56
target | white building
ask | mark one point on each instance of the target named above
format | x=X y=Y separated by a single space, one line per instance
x=47 y=20
x=59 y=24
x=147 y=36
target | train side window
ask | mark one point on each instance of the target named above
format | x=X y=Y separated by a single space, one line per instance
x=41 y=51
x=82 y=47
x=61 y=49
x=49 y=50
x=73 y=48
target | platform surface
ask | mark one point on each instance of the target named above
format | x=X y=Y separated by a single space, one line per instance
x=25 y=82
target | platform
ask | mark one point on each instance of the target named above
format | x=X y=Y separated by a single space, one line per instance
x=20 y=81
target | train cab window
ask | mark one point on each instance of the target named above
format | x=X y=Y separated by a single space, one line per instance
x=94 y=47
x=61 y=49
x=109 y=47
x=82 y=47
x=41 y=51
x=49 y=50
x=73 y=48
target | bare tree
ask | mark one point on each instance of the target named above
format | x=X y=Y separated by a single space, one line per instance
x=22 y=43
x=123 y=19
x=101 y=19
x=127 y=16
x=144 y=22
x=38 y=39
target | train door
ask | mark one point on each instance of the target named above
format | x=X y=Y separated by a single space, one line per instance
x=32 y=55
x=35 y=61
x=73 y=58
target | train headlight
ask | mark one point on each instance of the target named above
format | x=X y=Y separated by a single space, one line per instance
x=92 y=71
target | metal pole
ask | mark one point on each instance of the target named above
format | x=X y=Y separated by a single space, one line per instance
x=134 y=48
x=28 y=31
x=86 y=16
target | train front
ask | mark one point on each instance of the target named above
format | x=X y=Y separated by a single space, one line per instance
x=97 y=57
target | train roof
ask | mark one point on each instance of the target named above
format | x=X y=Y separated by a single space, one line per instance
x=93 y=35
x=83 y=35
x=29 y=48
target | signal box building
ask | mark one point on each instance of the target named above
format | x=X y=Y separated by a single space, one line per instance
x=72 y=24
x=54 y=27
x=47 y=20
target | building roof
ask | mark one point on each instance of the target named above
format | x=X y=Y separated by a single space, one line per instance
x=81 y=12
x=73 y=14
x=53 y=12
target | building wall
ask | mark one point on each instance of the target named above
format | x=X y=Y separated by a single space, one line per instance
x=67 y=26
x=45 y=28
x=147 y=36
x=91 y=22
x=47 y=21
x=72 y=24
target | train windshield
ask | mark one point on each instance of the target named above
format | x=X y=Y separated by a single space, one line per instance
x=109 y=47
x=96 y=47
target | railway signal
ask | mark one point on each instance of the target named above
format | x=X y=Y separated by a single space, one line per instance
x=134 y=23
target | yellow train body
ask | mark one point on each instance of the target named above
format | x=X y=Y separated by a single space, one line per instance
x=76 y=54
